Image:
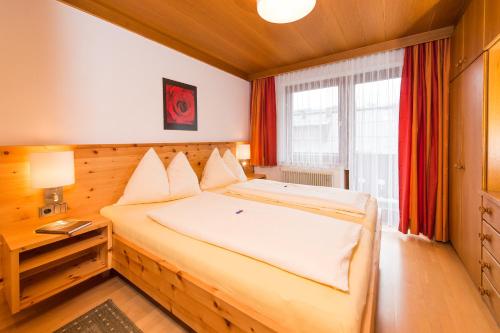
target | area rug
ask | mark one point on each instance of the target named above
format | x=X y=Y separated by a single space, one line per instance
x=103 y=318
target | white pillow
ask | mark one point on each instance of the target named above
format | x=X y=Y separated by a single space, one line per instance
x=235 y=166
x=148 y=183
x=216 y=173
x=182 y=178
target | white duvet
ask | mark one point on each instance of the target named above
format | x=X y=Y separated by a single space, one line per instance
x=317 y=197
x=312 y=246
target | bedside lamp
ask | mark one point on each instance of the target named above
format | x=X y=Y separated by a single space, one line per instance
x=51 y=171
x=243 y=153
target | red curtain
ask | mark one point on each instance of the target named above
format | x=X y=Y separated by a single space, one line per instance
x=423 y=140
x=263 y=122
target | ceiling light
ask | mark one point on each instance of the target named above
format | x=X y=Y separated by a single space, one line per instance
x=284 y=11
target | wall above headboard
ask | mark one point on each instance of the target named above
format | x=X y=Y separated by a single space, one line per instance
x=101 y=173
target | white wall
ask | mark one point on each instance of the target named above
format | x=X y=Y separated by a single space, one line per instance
x=68 y=77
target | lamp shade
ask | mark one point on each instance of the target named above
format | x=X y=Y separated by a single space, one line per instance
x=243 y=152
x=284 y=11
x=52 y=169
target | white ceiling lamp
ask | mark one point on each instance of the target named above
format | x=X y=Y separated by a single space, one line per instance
x=284 y=11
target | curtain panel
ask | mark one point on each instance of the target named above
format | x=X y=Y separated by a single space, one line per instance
x=423 y=140
x=263 y=122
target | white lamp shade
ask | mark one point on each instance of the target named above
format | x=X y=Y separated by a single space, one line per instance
x=243 y=152
x=284 y=11
x=52 y=169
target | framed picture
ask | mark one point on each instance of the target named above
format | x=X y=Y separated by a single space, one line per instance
x=179 y=106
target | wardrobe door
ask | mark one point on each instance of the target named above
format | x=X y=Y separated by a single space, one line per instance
x=456 y=164
x=472 y=106
x=457 y=49
x=492 y=23
x=473 y=32
x=493 y=172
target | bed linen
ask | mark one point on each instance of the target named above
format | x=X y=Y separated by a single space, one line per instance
x=309 y=245
x=319 y=197
x=299 y=304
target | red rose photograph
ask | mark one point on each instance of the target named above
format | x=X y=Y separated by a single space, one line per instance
x=179 y=106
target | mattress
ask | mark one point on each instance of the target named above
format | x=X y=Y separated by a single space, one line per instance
x=299 y=304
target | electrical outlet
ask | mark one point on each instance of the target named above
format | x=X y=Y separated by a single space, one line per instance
x=52 y=209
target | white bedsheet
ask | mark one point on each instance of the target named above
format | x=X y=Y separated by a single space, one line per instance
x=309 y=245
x=319 y=197
x=300 y=305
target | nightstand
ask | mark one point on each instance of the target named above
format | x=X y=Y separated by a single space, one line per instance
x=37 y=266
x=256 y=176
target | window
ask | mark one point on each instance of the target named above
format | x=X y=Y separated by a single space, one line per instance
x=345 y=115
x=315 y=127
x=374 y=160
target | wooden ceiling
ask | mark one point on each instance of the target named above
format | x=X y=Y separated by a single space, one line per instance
x=230 y=35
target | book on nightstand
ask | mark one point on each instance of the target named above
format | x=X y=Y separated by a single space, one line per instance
x=64 y=227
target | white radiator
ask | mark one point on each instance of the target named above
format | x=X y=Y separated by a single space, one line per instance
x=308 y=177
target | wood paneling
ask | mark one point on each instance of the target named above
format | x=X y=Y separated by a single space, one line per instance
x=492 y=22
x=101 y=173
x=230 y=35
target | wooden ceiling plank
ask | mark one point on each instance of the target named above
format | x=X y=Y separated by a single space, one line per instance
x=129 y=23
x=374 y=20
x=374 y=48
x=209 y=29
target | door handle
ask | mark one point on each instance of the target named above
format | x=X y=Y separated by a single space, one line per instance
x=485 y=210
x=484 y=237
x=484 y=265
x=484 y=291
x=459 y=166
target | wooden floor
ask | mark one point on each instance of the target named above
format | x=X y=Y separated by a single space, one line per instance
x=423 y=288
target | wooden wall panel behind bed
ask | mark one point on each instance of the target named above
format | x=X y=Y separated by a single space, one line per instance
x=101 y=173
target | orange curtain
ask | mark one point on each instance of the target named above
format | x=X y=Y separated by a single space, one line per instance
x=423 y=140
x=263 y=122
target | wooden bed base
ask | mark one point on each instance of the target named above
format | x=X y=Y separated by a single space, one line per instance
x=203 y=307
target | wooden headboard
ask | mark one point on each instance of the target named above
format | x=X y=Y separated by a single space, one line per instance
x=101 y=173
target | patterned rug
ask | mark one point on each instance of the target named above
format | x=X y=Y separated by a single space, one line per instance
x=103 y=318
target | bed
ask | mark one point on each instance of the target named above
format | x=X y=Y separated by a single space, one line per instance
x=216 y=290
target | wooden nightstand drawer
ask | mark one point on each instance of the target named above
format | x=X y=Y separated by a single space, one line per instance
x=37 y=266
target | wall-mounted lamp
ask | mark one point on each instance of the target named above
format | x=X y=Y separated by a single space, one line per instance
x=243 y=153
x=51 y=171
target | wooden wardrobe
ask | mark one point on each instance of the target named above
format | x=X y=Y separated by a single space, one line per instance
x=474 y=215
x=466 y=115
x=466 y=137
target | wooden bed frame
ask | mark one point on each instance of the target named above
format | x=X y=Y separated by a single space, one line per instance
x=102 y=172
x=203 y=307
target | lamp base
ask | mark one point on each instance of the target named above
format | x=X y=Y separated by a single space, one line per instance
x=53 y=195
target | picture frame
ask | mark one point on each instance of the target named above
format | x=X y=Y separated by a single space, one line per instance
x=180 y=109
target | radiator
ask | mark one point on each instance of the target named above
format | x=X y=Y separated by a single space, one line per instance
x=308 y=177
